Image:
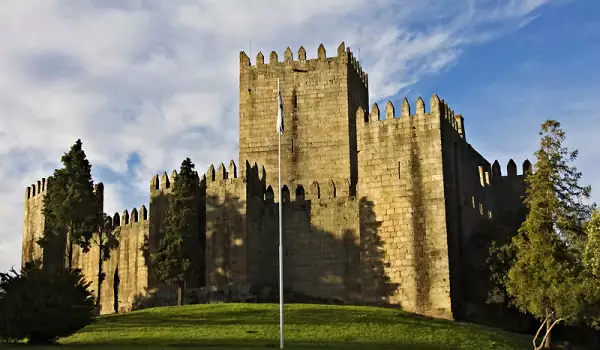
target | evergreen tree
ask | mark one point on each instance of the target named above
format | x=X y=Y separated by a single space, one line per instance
x=107 y=240
x=69 y=204
x=174 y=256
x=546 y=277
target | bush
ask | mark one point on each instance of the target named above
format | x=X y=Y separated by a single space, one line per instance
x=43 y=305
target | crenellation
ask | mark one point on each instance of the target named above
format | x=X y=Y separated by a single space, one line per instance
x=144 y=212
x=125 y=217
x=321 y=53
x=210 y=174
x=341 y=51
x=172 y=177
x=116 y=220
x=420 y=109
x=374 y=111
x=164 y=181
x=390 y=111
x=232 y=170
x=496 y=171
x=344 y=56
x=405 y=108
x=288 y=56
x=273 y=59
x=511 y=168
x=221 y=172
x=527 y=167
x=301 y=54
x=134 y=215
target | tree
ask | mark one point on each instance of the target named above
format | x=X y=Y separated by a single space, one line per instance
x=107 y=240
x=546 y=277
x=70 y=205
x=174 y=256
x=30 y=302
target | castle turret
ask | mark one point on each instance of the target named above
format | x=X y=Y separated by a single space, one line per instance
x=320 y=98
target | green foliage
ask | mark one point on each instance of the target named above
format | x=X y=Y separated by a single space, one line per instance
x=70 y=205
x=592 y=250
x=173 y=256
x=546 y=273
x=43 y=305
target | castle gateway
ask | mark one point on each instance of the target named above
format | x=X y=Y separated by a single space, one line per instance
x=377 y=204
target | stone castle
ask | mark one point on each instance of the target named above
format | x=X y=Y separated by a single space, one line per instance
x=377 y=205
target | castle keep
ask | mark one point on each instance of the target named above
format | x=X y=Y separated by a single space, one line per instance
x=377 y=202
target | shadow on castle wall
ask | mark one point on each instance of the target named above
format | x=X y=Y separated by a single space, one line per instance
x=321 y=265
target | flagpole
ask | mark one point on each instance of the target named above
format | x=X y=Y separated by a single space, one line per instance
x=280 y=233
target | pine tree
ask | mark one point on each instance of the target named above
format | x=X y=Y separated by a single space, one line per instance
x=173 y=258
x=546 y=277
x=69 y=204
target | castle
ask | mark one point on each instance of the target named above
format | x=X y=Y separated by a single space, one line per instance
x=374 y=209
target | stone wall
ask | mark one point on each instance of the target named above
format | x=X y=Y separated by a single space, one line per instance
x=33 y=223
x=226 y=231
x=320 y=97
x=400 y=171
x=321 y=241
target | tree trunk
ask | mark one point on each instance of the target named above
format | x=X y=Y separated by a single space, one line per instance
x=548 y=342
x=180 y=290
x=70 y=253
x=70 y=247
x=100 y=275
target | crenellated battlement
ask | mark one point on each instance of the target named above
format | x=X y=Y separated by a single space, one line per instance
x=437 y=108
x=130 y=218
x=511 y=169
x=162 y=183
x=221 y=173
x=344 y=55
x=37 y=189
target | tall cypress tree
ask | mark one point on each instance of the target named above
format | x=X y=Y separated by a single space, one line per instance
x=70 y=205
x=174 y=256
x=546 y=277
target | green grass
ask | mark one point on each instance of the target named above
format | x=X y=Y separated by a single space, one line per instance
x=241 y=326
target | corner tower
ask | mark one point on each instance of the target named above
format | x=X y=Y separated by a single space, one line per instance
x=320 y=99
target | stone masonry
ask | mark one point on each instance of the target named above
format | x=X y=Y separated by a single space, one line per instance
x=377 y=204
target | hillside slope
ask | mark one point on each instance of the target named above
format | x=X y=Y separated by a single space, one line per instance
x=237 y=326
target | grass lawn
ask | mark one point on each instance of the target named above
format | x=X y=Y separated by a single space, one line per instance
x=241 y=326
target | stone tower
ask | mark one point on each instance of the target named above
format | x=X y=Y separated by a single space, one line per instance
x=320 y=99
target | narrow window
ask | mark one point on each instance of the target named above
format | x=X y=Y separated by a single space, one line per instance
x=398 y=169
x=473 y=200
x=480 y=208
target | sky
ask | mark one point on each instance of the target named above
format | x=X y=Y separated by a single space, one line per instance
x=145 y=84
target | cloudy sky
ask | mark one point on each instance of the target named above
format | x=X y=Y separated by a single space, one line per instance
x=145 y=84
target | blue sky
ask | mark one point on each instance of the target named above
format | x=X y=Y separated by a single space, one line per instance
x=147 y=83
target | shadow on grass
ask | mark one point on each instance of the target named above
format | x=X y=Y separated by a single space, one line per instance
x=314 y=316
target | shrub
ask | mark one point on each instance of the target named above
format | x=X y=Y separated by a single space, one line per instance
x=43 y=305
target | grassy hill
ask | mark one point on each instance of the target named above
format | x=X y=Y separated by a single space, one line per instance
x=241 y=326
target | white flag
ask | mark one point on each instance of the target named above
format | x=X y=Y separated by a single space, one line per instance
x=279 y=110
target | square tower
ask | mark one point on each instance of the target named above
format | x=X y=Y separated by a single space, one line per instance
x=320 y=99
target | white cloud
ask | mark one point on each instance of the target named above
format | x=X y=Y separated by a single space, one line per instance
x=160 y=78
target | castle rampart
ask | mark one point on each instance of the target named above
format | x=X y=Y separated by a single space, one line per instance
x=377 y=207
x=34 y=223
